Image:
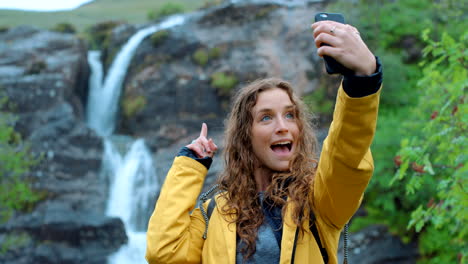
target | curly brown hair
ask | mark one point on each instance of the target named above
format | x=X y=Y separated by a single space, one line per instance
x=237 y=179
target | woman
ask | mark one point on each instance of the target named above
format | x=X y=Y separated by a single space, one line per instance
x=274 y=192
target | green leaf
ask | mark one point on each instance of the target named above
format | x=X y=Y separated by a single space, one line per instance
x=428 y=165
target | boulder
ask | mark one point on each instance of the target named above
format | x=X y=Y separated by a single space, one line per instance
x=59 y=234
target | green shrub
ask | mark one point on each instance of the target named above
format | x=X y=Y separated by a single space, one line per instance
x=16 y=160
x=152 y=15
x=318 y=102
x=384 y=204
x=406 y=12
x=201 y=57
x=214 y=53
x=4 y=29
x=64 y=28
x=211 y=3
x=166 y=10
x=400 y=89
x=427 y=199
x=159 y=37
x=224 y=82
x=132 y=105
x=433 y=152
x=170 y=9
x=14 y=240
x=384 y=24
x=98 y=35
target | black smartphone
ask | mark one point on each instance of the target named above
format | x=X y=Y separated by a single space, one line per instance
x=331 y=64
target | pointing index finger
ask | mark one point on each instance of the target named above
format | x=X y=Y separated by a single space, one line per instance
x=204 y=130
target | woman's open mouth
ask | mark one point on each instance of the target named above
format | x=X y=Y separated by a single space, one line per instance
x=282 y=147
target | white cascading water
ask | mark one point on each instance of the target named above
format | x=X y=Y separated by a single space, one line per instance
x=132 y=177
x=104 y=113
x=95 y=86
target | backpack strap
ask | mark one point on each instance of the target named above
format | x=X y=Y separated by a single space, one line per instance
x=312 y=225
x=323 y=250
x=211 y=205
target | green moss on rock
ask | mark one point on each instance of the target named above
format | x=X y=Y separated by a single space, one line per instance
x=64 y=28
x=159 y=37
x=132 y=105
x=14 y=240
x=224 y=82
x=201 y=57
x=98 y=35
x=214 y=53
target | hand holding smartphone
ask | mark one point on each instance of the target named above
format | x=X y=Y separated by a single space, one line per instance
x=331 y=64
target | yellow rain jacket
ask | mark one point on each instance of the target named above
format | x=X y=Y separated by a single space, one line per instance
x=345 y=168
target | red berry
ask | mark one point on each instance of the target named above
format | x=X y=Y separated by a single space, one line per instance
x=434 y=114
x=430 y=203
x=397 y=160
x=417 y=168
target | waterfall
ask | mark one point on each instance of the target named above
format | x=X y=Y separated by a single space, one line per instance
x=131 y=174
x=133 y=187
x=104 y=113
x=95 y=84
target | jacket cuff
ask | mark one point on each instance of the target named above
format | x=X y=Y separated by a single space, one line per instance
x=206 y=161
x=360 y=86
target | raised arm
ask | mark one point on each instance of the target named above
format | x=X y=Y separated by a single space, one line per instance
x=346 y=164
x=174 y=235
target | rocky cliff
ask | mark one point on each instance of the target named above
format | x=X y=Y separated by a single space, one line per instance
x=177 y=79
x=188 y=73
x=44 y=74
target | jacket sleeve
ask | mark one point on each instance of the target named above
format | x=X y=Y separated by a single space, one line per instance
x=174 y=235
x=346 y=164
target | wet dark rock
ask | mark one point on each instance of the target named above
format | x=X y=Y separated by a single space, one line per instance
x=45 y=74
x=67 y=237
x=42 y=67
x=375 y=245
x=116 y=38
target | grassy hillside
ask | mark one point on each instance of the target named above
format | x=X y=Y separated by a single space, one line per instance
x=132 y=11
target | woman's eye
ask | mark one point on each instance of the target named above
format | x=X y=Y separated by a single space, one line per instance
x=265 y=118
x=290 y=116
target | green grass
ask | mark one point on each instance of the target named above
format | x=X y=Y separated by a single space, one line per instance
x=131 y=11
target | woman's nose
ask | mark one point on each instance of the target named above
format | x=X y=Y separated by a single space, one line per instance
x=281 y=126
